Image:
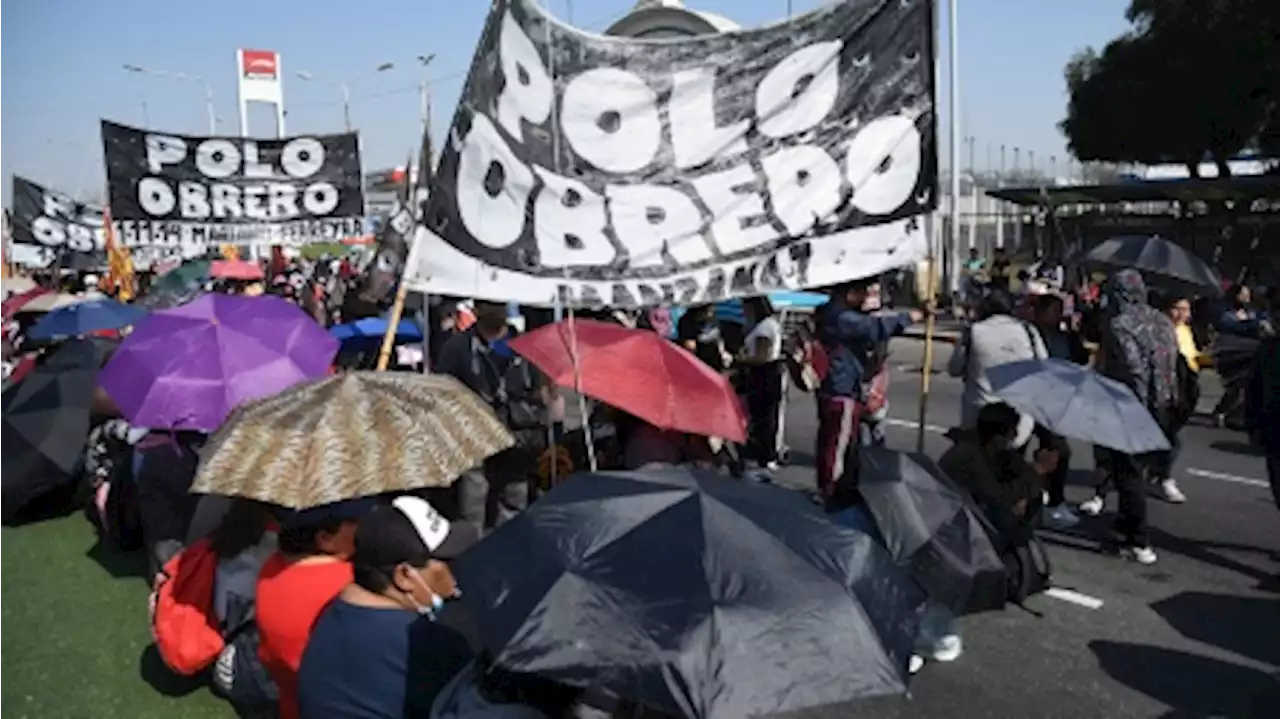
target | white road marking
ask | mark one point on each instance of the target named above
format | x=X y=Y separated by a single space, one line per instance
x=1074 y=597
x=914 y=425
x=1202 y=473
x=1228 y=478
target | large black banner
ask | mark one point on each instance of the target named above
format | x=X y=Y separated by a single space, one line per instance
x=54 y=220
x=291 y=191
x=591 y=170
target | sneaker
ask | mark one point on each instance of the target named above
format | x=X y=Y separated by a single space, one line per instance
x=1141 y=555
x=1093 y=506
x=1061 y=516
x=770 y=466
x=915 y=664
x=1169 y=492
x=947 y=648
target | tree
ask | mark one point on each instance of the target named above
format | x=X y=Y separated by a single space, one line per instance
x=1192 y=79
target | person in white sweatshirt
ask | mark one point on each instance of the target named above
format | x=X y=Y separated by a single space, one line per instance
x=997 y=338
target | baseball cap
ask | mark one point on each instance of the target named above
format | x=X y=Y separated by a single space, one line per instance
x=408 y=530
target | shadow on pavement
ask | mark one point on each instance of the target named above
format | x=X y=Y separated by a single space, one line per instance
x=1190 y=685
x=1202 y=551
x=1235 y=447
x=1240 y=625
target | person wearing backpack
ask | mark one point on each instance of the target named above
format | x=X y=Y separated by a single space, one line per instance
x=481 y=359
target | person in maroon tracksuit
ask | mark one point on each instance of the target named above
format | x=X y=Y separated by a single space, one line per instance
x=848 y=336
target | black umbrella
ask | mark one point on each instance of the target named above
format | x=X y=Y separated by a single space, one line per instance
x=1154 y=256
x=692 y=593
x=46 y=423
x=934 y=530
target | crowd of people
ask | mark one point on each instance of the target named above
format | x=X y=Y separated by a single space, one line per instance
x=347 y=609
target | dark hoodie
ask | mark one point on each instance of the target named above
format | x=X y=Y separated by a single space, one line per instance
x=1139 y=344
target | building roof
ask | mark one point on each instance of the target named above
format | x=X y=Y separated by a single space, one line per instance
x=1236 y=189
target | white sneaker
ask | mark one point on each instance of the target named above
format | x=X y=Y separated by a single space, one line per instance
x=915 y=664
x=1169 y=491
x=1141 y=555
x=1093 y=506
x=1061 y=516
x=947 y=648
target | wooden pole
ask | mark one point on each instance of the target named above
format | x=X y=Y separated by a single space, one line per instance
x=397 y=309
x=393 y=324
x=926 y=368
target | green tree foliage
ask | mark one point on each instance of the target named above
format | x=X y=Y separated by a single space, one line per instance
x=1192 y=79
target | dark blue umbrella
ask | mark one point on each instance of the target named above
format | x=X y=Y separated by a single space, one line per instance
x=371 y=327
x=85 y=317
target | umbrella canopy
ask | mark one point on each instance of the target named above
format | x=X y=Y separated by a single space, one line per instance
x=50 y=301
x=178 y=286
x=933 y=529
x=85 y=317
x=46 y=423
x=376 y=327
x=1152 y=255
x=638 y=372
x=1076 y=402
x=351 y=435
x=18 y=285
x=15 y=301
x=235 y=270
x=694 y=594
x=188 y=367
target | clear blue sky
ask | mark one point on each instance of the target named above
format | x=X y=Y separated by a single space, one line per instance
x=62 y=68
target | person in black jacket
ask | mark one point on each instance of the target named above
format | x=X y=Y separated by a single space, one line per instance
x=1006 y=487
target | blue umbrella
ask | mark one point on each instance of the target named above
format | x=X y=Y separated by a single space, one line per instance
x=371 y=327
x=731 y=310
x=85 y=317
x=1078 y=403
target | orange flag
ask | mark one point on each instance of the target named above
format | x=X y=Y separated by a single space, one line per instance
x=119 y=261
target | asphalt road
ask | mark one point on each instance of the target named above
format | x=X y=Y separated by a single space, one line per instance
x=1195 y=635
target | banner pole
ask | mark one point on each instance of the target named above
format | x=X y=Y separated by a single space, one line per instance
x=397 y=309
x=577 y=387
x=926 y=366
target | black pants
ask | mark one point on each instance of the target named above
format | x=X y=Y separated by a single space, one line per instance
x=1162 y=462
x=1058 y=478
x=1129 y=477
x=765 y=393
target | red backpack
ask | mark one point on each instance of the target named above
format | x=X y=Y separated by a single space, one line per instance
x=183 y=622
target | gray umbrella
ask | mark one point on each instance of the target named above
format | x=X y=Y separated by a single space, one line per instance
x=1078 y=403
x=1154 y=256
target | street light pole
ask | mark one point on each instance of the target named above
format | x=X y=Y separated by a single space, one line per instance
x=346 y=106
x=208 y=89
x=345 y=86
x=424 y=90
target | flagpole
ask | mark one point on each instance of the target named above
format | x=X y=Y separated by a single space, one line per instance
x=397 y=309
x=953 y=232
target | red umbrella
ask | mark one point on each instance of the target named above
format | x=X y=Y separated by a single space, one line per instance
x=638 y=372
x=235 y=270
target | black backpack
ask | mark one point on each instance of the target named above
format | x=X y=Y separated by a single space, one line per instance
x=1028 y=570
x=238 y=674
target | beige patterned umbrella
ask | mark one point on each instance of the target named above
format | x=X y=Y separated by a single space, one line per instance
x=350 y=435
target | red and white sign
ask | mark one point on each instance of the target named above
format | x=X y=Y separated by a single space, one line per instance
x=260 y=64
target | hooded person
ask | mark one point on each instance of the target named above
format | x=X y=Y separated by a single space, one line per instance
x=1140 y=350
x=377 y=650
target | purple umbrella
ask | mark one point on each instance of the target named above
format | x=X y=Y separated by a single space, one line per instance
x=188 y=367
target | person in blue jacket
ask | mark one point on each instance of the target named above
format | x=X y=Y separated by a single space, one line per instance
x=847 y=336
